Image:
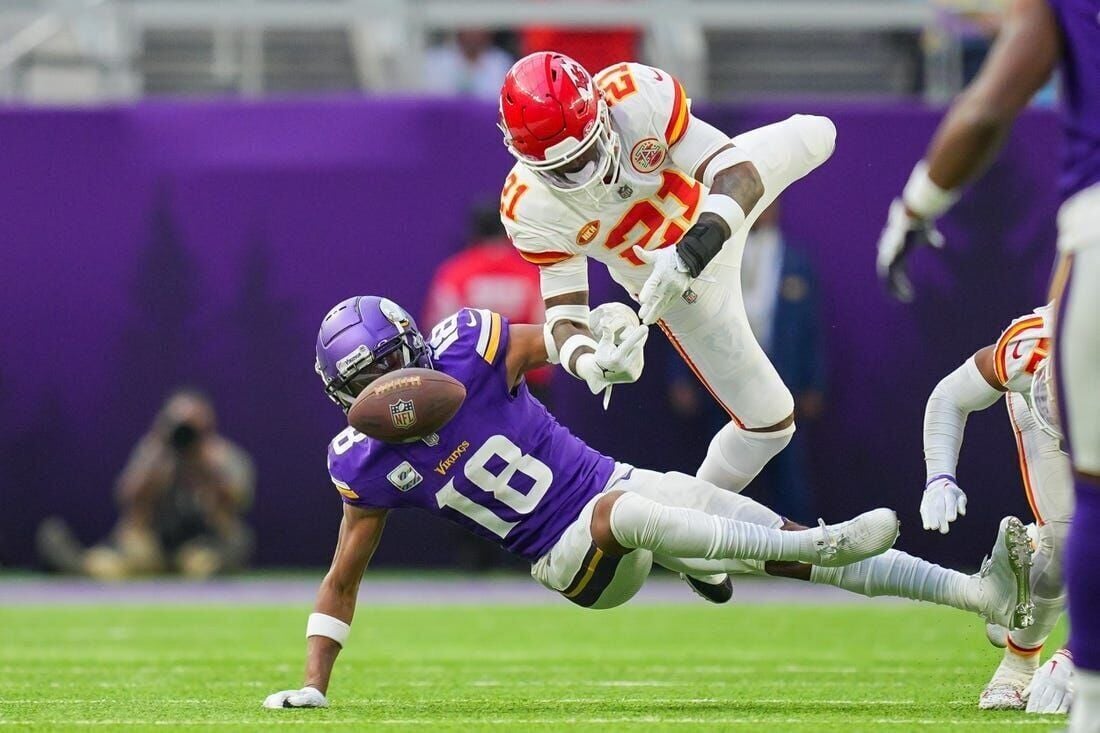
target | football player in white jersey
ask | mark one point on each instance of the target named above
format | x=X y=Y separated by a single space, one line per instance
x=617 y=169
x=1017 y=368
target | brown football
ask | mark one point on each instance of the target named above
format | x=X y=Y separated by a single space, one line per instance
x=406 y=405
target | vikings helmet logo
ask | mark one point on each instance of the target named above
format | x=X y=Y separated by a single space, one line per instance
x=395 y=314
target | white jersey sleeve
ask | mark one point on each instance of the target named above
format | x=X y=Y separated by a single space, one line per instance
x=532 y=222
x=657 y=106
x=1021 y=348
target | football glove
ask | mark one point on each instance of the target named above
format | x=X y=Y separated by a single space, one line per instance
x=307 y=697
x=943 y=502
x=1051 y=687
x=614 y=363
x=669 y=280
x=901 y=235
x=611 y=318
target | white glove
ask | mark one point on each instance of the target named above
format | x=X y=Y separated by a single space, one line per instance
x=668 y=281
x=942 y=504
x=307 y=697
x=1051 y=687
x=613 y=318
x=901 y=235
x=614 y=363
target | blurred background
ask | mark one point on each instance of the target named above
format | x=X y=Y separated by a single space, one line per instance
x=188 y=185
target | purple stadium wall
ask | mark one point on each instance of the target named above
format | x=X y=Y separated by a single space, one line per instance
x=141 y=247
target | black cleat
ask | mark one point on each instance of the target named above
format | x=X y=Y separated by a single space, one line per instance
x=713 y=592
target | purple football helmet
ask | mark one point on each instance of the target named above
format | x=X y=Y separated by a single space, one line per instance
x=361 y=339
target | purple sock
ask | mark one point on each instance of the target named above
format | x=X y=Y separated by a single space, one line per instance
x=1083 y=576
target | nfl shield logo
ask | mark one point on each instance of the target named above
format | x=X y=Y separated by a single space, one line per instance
x=403 y=414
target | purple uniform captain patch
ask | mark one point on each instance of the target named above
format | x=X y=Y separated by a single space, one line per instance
x=503 y=467
x=1079 y=23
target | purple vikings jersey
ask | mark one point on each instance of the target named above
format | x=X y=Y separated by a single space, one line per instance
x=1079 y=22
x=503 y=467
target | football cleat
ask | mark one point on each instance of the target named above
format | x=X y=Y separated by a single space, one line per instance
x=1004 y=582
x=997 y=635
x=871 y=533
x=715 y=592
x=1004 y=692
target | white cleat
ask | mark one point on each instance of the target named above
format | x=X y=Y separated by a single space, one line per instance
x=1004 y=692
x=871 y=533
x=997 y=635
x=1051 y=688
x=1004 y=582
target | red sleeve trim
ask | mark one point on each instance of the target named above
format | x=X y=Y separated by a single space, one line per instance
x=678 y=121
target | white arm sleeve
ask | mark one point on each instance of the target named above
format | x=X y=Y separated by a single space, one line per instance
x=567 y=276
x=699 y=142
x=960 y=393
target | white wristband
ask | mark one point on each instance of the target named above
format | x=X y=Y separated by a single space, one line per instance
x=725 y=207
x=570 y=347
x=321 y=624
x=923 y=197
x=575 y=313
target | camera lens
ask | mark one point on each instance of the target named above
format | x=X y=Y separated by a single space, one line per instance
x=183 y=436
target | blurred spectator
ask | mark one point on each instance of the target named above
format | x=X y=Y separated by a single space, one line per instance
x=468 y=64
x=180 y=498
x=781 y=300
x=491 y=274
x=594 y=49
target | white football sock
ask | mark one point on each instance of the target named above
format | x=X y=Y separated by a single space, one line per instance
x=1047 y=613
x=736 y=456
x=1020 y=664
x=1084 y=716
x=638 y=522
x=895 y=573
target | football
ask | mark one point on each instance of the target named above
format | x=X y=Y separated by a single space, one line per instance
x=406 y=405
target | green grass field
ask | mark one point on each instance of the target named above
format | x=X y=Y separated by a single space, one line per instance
x=650 y=667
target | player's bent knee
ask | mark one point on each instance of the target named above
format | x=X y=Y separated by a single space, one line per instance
x=818 y=133
x=600 y=526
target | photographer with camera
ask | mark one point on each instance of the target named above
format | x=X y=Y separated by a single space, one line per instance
x=181 y=497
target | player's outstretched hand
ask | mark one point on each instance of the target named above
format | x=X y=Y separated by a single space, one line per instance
x=902 y=234
x=668 y=281
x=943 y=502
x=622 y=362
x=1051 y=687
x=307 y=697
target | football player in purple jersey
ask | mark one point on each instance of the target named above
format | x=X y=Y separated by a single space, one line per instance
x=1038 y=37
x=591 y=527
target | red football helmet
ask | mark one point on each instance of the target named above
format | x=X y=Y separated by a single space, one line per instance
x=555 y=121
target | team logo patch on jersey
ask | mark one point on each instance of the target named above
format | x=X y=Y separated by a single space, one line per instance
x=588 y=232
x=403 y=414
x=404 y=477
x=647 y=155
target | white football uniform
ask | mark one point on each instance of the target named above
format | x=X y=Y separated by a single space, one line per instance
x=1045 y=469
x=656 y=200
